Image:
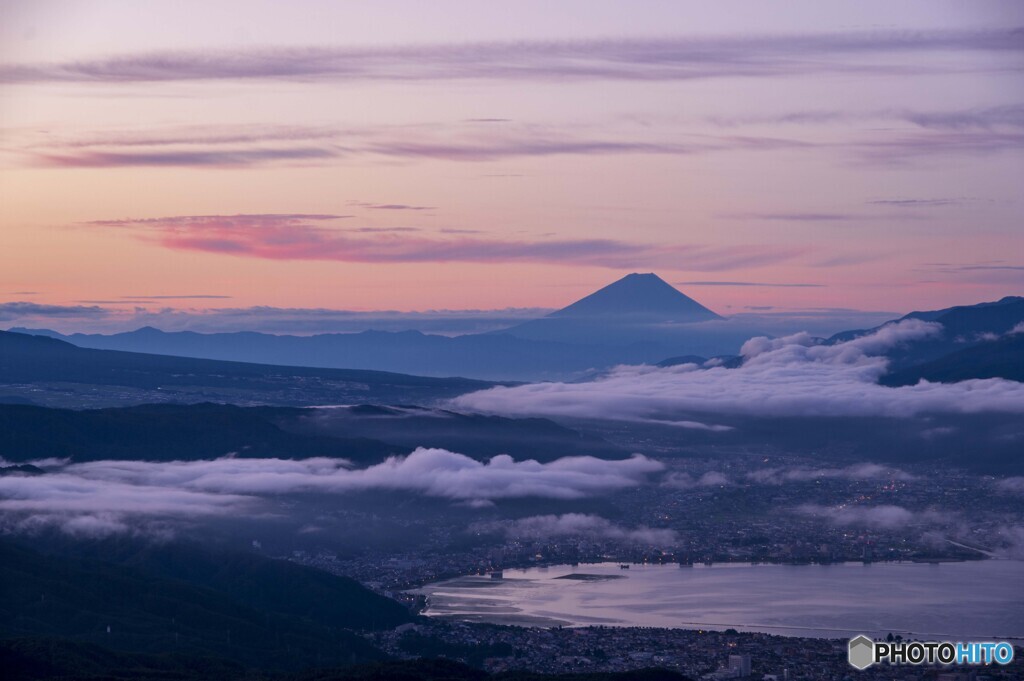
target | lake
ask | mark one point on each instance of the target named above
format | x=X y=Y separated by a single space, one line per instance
x=975 y=600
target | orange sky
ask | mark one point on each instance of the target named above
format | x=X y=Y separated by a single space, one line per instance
x=518 y=158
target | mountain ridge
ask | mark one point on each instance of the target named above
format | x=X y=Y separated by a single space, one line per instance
x=602 y=330
x=637 y=319
x=47 y=370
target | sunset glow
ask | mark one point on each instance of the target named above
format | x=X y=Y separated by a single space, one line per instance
x=399 y=156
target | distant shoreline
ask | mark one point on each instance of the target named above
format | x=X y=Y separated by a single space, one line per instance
x=468 y=598
x=525 y=565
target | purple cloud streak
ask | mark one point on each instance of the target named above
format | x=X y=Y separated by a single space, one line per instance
x=301 y=237
x=681 y=58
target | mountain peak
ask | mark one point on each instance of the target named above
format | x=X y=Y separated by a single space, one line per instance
x=639 y=295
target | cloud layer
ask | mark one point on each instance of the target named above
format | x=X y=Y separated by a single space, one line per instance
x=791 y=376
x=863 y=471
x=792 y=474
x=578 y=525
x=118 y=493
x=248 y=145
x=899 y=137
x=884 y=516
x=312 y=237
x=685 y=58
x=130 y=312
x=127 y=313
x=21 y=310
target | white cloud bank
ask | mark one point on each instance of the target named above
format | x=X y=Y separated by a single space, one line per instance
x=687 y=481
x=431 y=472
x=575 y=525
x=1011 y=485
x=884 y=516
x=790 y=376
x=793 y=474
x=104 y=494
x=863 y=471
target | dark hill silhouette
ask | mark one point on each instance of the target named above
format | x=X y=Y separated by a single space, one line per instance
x=486 y=356
x=170 y=432
x=963 y=327
x=176 y=598
x=1001 y=358
x=40 y=360
x=477 y=435
x=61 y=660
x=994 y=317
x=365 y=434
x=997 y=317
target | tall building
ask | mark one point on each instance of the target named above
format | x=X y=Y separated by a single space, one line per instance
x=740 y=664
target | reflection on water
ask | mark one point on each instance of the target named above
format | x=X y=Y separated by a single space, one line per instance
x=971 y=600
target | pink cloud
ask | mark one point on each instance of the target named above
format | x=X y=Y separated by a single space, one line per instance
x=309 y=237
x=210 y=158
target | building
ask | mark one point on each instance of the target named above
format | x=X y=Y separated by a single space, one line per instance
x=740 y=664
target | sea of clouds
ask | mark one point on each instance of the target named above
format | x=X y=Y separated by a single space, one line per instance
x=114 y=496
x=795 y=375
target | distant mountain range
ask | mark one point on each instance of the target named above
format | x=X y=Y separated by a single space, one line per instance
x=50 y=372
x=962 y=326
x=1000 y=358
x=484 y=356
x=977 y=341
x=638 y=319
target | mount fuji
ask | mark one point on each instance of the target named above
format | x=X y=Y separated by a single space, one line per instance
x=639 y=308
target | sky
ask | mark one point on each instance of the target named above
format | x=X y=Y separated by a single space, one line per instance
x=190 y=158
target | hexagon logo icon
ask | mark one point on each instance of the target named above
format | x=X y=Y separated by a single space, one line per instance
x=862 y=652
